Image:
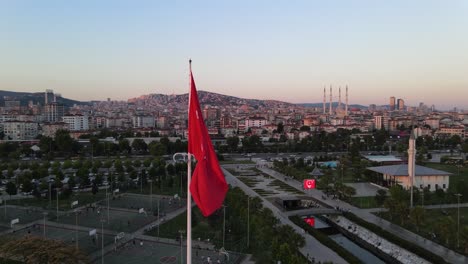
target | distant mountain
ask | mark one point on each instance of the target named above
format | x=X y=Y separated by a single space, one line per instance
x=25 y=97
x=208 y=98
x=334 y=105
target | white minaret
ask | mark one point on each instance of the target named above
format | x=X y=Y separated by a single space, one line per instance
x=346 y=107
x=331 y=107
x=339 y=97
x=324 y=100
x=411 y=164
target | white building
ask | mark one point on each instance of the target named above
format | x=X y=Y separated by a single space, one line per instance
x=424 y=177
x=76 y=122
x=143 y=121
x=255 y=122
x=20 y=130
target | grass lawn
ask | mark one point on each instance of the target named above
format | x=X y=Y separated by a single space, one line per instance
x=364 y=202
x=431 y=222
x=284 y=187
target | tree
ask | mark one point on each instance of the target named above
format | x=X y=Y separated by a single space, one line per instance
x=280 y=128
x=11 y=188
x=156 y=148
x=232 y=143
x=139 y=145
x=32 y=249
x=417 y=215
x=94 y=189
x=380 y=196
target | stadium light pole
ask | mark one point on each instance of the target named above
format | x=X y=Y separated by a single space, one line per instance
x=102 y=240
x=50 y=194
x=76 y=229
x=56 y=190
x=224 y=223
x=107 y=204
x=248 y=222
x=43 y=227
x=458 y=219
x=151 y=194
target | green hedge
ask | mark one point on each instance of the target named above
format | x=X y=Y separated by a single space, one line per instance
x=421 y=252
x=325 y=240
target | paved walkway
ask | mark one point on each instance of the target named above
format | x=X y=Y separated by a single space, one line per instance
x=312 y=247
x=444 y=252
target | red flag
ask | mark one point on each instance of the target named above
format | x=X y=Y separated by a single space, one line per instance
x=309 y=184
x=208 y=185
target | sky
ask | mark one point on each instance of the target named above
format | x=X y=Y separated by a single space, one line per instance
x=282 y=50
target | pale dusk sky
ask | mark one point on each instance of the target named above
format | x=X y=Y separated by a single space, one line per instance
x=282 y=50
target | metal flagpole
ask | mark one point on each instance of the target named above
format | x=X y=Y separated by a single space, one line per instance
x=189 y=174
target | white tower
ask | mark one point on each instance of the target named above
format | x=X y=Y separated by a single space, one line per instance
x=324 y=100
x=339 y=97
x=331 y=107
x=346 y=107
x=411 y=164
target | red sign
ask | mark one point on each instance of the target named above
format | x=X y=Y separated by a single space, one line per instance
x=310 y=221
x=309 y=184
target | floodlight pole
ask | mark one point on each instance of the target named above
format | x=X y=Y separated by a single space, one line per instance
x=56 y=190
x=107 y=205
x=458 y=219
x=151 y=194
x=102 y=241
x=248 y=222
x=76 y=229
x=45 y=213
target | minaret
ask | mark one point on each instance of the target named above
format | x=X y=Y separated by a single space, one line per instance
x=339 y=97
x=324 y=101
x=331 y=107
x=411 y=164
x=346 y=107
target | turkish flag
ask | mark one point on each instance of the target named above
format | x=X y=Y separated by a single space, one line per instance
x=310 y=221
x=309 y=184
x=208 y=184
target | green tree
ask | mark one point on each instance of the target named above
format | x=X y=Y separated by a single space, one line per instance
x=380 y=197
x=11 y=188
x=417 y=215
x=232 y=143
x=33 y=249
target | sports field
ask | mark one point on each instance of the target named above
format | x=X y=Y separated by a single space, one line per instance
x=120 y=220
x=143 y=251
x=24 y=214
x=150 y=204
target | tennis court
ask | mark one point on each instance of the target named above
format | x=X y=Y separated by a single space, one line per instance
x=143 y=251
x=167 y=204
x=119 y=220
x=86 y=243
x=24 y=214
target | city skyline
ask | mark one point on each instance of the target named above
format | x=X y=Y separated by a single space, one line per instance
x=92 y=51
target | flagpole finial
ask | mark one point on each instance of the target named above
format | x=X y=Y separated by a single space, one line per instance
x=190 y=64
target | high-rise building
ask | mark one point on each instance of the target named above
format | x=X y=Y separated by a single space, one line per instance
x=54 y=112
x=401 y=104
x=392 y=103
x=76 y=122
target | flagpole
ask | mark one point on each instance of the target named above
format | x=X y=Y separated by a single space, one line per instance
x=189 y=197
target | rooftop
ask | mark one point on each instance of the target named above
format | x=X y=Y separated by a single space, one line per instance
x=402 y=170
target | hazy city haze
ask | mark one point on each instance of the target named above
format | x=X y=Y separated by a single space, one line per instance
x=88 y=50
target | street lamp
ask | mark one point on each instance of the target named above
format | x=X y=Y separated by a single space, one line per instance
x=458 y=219
x=56 y=190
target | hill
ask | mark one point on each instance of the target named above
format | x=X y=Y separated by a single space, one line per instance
x=25 y=97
